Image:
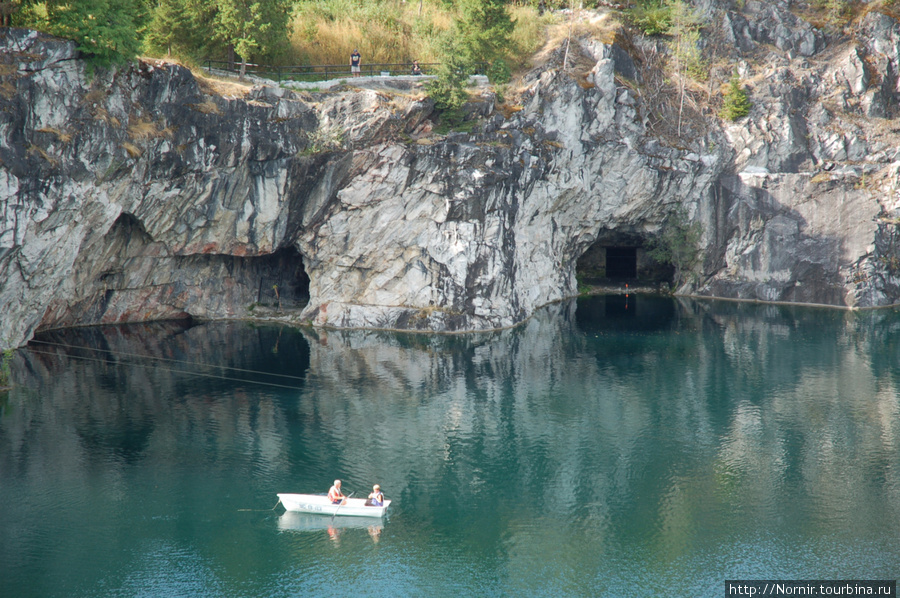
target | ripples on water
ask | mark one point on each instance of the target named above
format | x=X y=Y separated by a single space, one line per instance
x=616 y=446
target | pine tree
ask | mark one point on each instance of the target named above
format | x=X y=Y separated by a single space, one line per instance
x=182 y=27
x=103 y=29
x=482 y=31
x=737 y=103
x=479 y=37
x=168 y=25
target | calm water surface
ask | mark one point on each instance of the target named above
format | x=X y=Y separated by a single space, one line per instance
x=608 y=447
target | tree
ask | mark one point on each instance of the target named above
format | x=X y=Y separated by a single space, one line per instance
x=182 y=27
x=482 y=31
x=480 y=36
x=736 y=103
x=685 y=31
x=448 y=89
x=7 y=9
x=103 y=29
x=252 y=27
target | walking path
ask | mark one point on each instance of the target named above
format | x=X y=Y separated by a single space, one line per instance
x=402 y=82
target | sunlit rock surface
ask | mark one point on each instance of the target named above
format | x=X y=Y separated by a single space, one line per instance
x=144 y=193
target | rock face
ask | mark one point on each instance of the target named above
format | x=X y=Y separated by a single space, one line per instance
x=144 y=193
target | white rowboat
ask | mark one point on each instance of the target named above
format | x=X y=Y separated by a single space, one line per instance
x=316 y=503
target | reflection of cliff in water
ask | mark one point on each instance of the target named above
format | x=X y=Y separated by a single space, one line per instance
x=576 y=399
x=625 y=312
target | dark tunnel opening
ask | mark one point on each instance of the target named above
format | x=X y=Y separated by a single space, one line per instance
x=283 y=282
x=619 y=258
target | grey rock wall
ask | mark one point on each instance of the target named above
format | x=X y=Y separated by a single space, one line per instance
x=143 y=193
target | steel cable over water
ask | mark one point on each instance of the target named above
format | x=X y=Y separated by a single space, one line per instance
x=210 y=365
x=164 y=369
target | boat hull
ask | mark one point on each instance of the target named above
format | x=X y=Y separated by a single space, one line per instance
x=314 y=503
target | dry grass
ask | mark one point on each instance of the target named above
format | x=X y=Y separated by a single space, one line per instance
x=388 y=32
x=326 y=32
x=62 y=136
x=94 y=96
x=220 y=86
x=39 y=151
x=207 y=107
x=7 y=90
x=507 y=109
x=133 y=150
x=99 y=112
x=821 y=177
x=889 y=7
x=8 y=69
x=142 y=129
x=605 y=27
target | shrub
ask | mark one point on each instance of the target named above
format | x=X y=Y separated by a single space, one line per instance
x=737 y=103
x=652 y=17
x=499 y=72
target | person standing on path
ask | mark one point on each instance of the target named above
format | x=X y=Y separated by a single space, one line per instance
x=355 y=59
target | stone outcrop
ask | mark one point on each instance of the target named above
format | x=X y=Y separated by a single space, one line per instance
x=144 y=192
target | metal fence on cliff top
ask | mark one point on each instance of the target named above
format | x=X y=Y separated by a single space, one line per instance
x=318 y=72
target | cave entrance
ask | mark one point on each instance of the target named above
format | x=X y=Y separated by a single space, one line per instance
x=619 y=257
x=283 y=282
x=621 y=263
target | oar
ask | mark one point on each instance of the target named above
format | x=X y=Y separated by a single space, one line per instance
x=340 y=505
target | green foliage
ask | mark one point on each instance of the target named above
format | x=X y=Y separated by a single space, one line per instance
x=31 y=15
x=480 y=35
x=837 y=13
x=737 y=103
x=454 y=120
x=584 y=289
x=652 y=17
x=448 y=90
x=105 y=30
x=499 y=72
x=678 y=243
x=252 y=27
x=685 y=45
x=482 y=31
x=183 y=28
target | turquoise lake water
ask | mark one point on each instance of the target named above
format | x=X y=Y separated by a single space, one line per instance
x=610 y=446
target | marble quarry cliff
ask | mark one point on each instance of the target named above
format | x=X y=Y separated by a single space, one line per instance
x=144 y=193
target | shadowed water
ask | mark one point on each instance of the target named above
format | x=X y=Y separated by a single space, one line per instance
x=612 y=446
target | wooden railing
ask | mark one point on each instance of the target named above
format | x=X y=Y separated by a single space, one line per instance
x=318 y=72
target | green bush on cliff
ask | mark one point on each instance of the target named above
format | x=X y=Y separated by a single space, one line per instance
x=652 y=17
x=736 y=102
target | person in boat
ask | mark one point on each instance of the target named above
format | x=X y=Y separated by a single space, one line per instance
x=376 y=498
x=335 y=495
